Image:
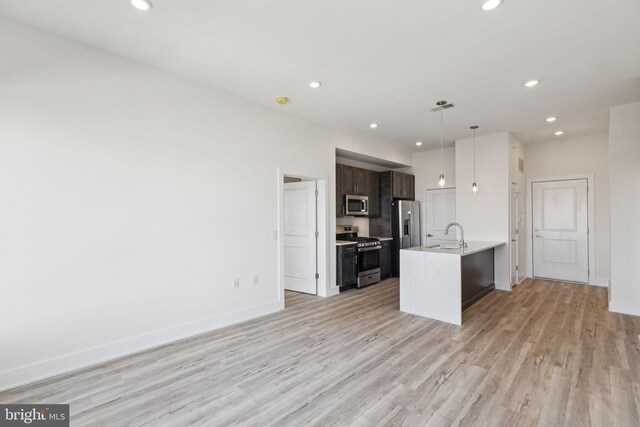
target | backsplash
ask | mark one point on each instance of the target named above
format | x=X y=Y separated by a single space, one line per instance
x=361 y=222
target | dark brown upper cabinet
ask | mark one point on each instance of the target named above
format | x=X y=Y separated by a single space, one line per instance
x=358 y=182
x=403 y=186
x=373 y=192
x=339 y=192
x=354 y=181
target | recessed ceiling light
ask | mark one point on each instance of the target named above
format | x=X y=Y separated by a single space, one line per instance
x=559 y=132
x=419 y=143
x=551 y=119
x=315 y=85
x=143 y=5
x=491 y=4
x=373 y=125
x=531 y=83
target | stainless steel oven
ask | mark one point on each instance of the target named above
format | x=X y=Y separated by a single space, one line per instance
x=356 y=205
x=366 y=260
x=368 y=264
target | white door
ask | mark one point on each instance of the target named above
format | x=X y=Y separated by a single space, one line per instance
x=514 y=219
x=300 y=248
x=560 y=230
x=440 y=211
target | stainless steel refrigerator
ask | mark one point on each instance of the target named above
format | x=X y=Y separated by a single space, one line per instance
x=405 y=226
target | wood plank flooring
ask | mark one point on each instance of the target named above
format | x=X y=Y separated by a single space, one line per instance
x=547 y=354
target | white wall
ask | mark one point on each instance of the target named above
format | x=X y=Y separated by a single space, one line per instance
x=427 y=167
x=517 y=152
x=485 y=214
x=588 y=154
x=624 y=158
x=130 y=200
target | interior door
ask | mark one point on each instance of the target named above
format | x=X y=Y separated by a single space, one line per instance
x=514 y=220
x=560 y=230
x=300 y=238
x=440 y=211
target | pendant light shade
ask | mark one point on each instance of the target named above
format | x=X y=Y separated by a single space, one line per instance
x=474 y=187
x=441 y=180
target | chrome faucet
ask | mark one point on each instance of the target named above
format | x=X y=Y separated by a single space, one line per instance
x=462 y=242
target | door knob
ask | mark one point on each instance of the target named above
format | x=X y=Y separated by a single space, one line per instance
x=429 y=235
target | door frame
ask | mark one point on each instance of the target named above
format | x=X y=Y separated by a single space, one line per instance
x=321 y=223
x=590 y=221
x=513 y=208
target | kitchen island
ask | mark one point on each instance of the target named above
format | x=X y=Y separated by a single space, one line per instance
x=439 y=283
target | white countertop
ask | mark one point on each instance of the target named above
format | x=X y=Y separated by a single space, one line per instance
x=472 y=248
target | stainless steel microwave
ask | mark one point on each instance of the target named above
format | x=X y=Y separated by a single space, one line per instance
x=356 y=205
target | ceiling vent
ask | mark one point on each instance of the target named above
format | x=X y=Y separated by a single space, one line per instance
x=442 y=105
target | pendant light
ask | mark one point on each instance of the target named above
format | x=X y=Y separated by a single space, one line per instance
x=474 y=187
x=441 y=104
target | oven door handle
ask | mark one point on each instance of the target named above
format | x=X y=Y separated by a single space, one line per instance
x=372 y=248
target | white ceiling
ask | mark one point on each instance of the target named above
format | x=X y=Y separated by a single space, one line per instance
x=382 y=61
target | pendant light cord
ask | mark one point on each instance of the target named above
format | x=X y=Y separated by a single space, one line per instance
x=441 y=135
x=474 y=156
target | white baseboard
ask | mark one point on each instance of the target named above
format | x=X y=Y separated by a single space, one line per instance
x=624 y=308
x=600 y=281
x=334 y=290
x=92 y=356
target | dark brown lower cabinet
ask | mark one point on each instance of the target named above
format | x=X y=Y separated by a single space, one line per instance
x=385 y=258
x=347 y=266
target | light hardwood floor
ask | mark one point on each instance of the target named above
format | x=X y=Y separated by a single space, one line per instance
x=546 y=354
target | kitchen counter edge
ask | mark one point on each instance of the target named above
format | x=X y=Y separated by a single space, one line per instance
x=472 y=248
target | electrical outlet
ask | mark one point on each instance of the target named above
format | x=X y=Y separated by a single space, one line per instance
x=254 y=279
x=436 y=272
x=236 y=282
